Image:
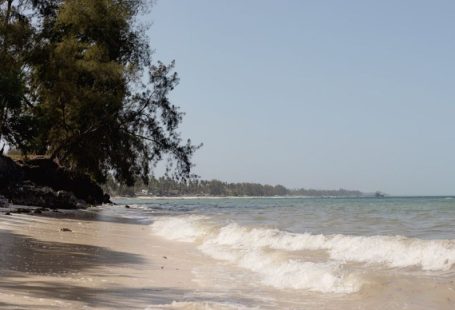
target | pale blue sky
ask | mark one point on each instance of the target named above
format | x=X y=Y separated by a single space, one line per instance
x=320 y=94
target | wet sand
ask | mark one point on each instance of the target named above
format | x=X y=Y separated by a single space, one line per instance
x=104 y=262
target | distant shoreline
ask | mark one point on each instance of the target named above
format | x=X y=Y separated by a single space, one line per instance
x=169 y=187
x=232 y=197
x=145 y=197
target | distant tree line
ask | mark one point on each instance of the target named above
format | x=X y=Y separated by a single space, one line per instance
x=165 y=186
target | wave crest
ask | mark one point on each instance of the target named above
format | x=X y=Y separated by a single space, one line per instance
x=249 y=248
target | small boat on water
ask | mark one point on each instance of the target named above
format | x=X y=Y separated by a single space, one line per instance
x=379 y=195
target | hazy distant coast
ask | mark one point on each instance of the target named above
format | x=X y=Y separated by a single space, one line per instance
x=166 y=187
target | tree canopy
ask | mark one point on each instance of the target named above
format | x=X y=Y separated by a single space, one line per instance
x=77 y=84
x=15 y=38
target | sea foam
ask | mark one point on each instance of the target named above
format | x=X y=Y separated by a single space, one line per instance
x=394 y=251
x=249 y=248
x=181 y=228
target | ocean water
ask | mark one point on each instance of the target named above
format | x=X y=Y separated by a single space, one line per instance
x=312 y=253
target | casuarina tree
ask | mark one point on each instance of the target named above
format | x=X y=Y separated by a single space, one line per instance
x=88 y=94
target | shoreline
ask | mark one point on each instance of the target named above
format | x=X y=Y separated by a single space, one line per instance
x=101 y=262
x=230 y=197
x=111 y=257
x=143 y=197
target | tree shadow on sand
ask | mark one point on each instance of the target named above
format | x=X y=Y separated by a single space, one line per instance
x=20 y=253
x=111 y=297
x=24 y=261
x=106 y=297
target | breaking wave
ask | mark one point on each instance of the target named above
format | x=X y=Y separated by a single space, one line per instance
x=250 y=248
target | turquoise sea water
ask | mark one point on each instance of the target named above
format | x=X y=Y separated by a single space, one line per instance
x=420 y=217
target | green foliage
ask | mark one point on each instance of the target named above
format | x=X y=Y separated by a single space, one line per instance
x=165 y=186
x=16 y=120
x=96 y=102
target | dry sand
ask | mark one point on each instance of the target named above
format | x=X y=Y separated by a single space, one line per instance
x=104 y=262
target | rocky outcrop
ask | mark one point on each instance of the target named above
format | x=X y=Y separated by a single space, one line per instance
x=10 y=172
x=41 y=182
x=45 y=172
x=30 y=194
x=4 y=203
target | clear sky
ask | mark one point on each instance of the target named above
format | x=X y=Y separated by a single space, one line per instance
x=321 y=94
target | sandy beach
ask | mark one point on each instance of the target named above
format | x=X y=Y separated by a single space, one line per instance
x=104 y=262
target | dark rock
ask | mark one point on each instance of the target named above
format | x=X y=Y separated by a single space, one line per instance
x=10 y=172
x=8 y=213
x=45 y=172
x=32 y=195
x=4 y=203
x=41 y=182
x=65 y=229
x=127 y=206
x=22 y=210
